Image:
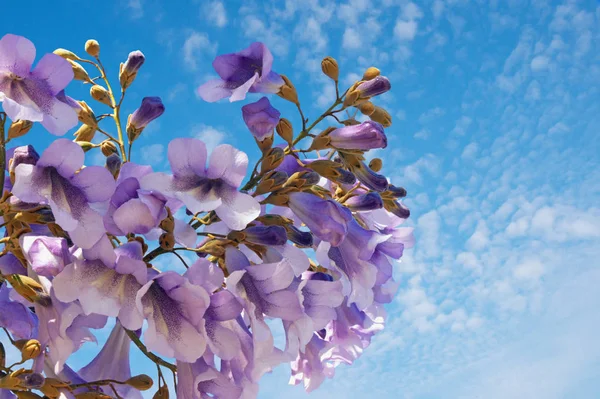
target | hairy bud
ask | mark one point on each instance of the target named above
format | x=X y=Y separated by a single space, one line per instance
x=100 y=94
x=108 y=148
x=376 y=164
x=19 y=128
x=287 y=91
x=166 y=241
x=366 y=108
x=371 y=73
x=273 y=158
x=271 y=182
x=66 y=54
x=85 y=133
x=382 y=116
x=130 y=68
x=25 y=286
x=140 y=382
x=329 y=66
x=30 y=348
x=79 y=72
x=86 y=115
x=284 y=130
x=86 y=145
x=92 y=47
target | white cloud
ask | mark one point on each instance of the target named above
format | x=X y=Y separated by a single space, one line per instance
x=352 y=39
x=153 y=154
x=196 y=44
x=480 y=238
x=470 y=151
x=215 y=13
x=211 y=136
x=422 y=134
x=530 y=269
x=405 y=30
x=437 y=8
x=539 y=63
x=414 y=172
x=176 y=91
x=136 y=9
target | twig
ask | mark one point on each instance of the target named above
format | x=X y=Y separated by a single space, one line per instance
x=149 y=354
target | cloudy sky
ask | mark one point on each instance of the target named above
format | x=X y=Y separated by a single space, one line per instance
x=496 y=108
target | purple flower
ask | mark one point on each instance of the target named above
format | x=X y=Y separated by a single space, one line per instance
x=9 y=264
x=21 y=155
x=112 y=363
x=132 y=210
x=310 y=367
x=134 y=62
x=370 y=179
x=200 y=380
x=54 y=181
x=326 y=219
x=364 y=202
x=46 y=255
x=174 y=309
x=106 y=281
x=246 y=71
x=374 y=87
x=16 y=317
x=31 y=95
x=365 y=136
x=266 y=235
x=261 y=118
x=151 y=108
x=206 y=189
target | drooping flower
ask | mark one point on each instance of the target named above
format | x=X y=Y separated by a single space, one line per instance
x=309 y=367
x=151 y=108
x=47 y=256
x=246 y=71
x=31 y=94
x=16 y=317
x=132 y=210
x=364 y=202
x=201 y=380
x=174 y=309
x=54 y=181
x=261 y=118
x=203 y=188
x=365 y=136
x=112 y=363
x=326 y=219
x=105 y=281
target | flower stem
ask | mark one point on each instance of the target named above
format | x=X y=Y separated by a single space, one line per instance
x=306 y=131
x=146 y=352
x=2 y=151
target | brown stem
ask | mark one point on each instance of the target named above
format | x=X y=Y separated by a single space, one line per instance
x=2 y=151
x=132 y=335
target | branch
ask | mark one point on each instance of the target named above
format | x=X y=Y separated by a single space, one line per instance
x=149 y=354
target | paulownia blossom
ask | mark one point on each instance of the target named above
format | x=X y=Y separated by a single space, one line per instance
x=57 y=179
x=203 y=188
x=32 y=94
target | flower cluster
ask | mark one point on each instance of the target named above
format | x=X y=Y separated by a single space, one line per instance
x=308 y=241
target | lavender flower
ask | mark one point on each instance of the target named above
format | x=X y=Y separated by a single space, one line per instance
x=31 y=95
x=374 y=87
x=134 y=62
x=47 y=256
x=54 y=181
x=206 y=189
x=261 y=118
x=200 y=379
x=151 y=108
x=16 y=317
x=364 y=202
x=310 y=367
x=246 y=71
x=365 y=136
x=21 y=155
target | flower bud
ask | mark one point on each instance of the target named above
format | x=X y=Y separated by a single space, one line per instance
x=51 y=387
x=92 y=47
x=100 y=94
x=25 y=286
x=287 y=91
x=66 y=54
x=371 y=73
x=271 y=182
x=266 y=235
x=166 y=241
x=364 y=174
x=265 y=144
x=382 y=116
x=140 y=382
x=30 y=348
x=365 y=136
x=150 y=109
x=374 y=87
x=376 y=164
x=396 y=208
x=279 y=199
x=329 y=66
x=272 y=159
x=162 y=393
x=364 y=202
x=108 y=148
x=86 y=145
x=113 y=164
x=396 y=192
x=85 y=133
x=366 y=108
x=331 y=170
x=86 y=115
x=79 y=72
x=19 y=128
x=167 y=225
x=260 y=118
x=303 y=179
x=285 y=130
x=301 y=238
x=31 y=380
x=352 y=96
x=130 y=68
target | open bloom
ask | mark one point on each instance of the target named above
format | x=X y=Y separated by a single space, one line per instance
x=31 y=95
x=365 y=136
x=246 y=71
x=203 y=188
x=54 y=181
x=261 y=118
x=47 y=256
x=16 y=317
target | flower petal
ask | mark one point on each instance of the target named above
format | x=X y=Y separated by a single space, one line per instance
x=187 y=157
x=55 y=71
x=240 y=92
x=16 y=54
x=214 y=90
x=228 y=164
x=238 y=209
x=96 y=182
x=60 y=119
x=64 y=155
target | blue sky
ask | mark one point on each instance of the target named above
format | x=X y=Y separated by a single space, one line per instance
x=496 y=108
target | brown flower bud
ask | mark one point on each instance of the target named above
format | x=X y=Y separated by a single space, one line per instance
x=382 y=116
x=86 y=145
x=278 y=199
x=92 y=47
x=371 y=73
x=351 y=98
x=140 y=382
x=167 y=224
x=272 y=159
x=266 y=144
x=320 y=143
x=287 y=91
x=329 y=66
x=108 y=148
x=162 y=393
x=366 y=108
x=214 y=247
x=166 y=241
x=274 y=220
x=79 y=72
x=284 y=130
x=66 y=54
x=100 y=94
x=376 y=164
x=85 y=133
x=86 y=115
x=25 y=286
x=27 y=395
x=30 y=348
x=19 y=128
x=51 y=387
x=271 y=182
